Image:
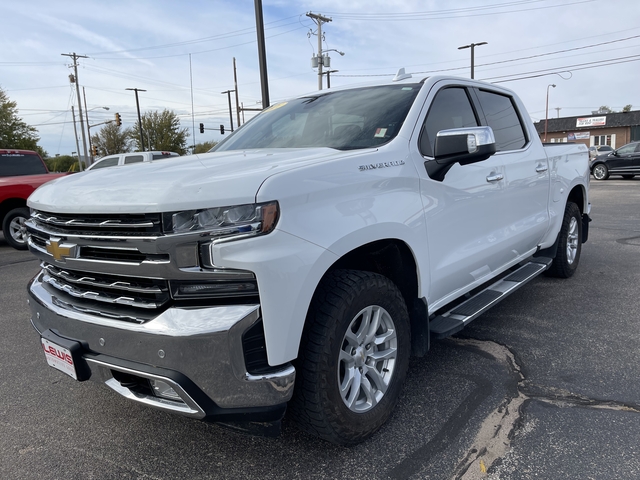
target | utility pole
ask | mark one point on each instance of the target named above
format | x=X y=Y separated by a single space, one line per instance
x=472 y=46
x=75 y=71
x=228 y=92
x=558 y=111
x=262 y=54
x=319 y=19
x=139 y=119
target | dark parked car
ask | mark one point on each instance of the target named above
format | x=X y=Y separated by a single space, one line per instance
x=599 y=150
x=624 y=161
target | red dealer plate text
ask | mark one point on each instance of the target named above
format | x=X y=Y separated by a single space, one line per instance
x=59 y=358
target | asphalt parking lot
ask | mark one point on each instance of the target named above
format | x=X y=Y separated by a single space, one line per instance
x=545 y=386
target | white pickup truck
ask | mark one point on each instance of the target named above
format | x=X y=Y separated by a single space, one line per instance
x=129 y=158
x=298 y=265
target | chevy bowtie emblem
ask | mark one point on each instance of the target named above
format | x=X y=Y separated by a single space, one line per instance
x=60 y=250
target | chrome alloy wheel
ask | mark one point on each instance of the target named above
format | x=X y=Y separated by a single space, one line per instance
x=572 y=241
x=600 y=172
x=367 y=359
x=18 y=229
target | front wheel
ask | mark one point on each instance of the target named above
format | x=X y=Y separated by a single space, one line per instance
x=600 y=172
x=14 y=229
x=567 y=257
x=353 y=357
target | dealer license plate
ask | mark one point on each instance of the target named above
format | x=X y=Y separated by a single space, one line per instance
x=59 y=358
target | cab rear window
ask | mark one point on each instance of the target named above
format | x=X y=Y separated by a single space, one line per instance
x=14 y=164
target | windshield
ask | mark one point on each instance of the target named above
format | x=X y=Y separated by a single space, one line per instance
x=13 y=164
x=344 y=120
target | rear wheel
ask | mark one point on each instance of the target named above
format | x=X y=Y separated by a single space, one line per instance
x=600 y=172
x=14 y=229
x=353 y=358
x=567 y=257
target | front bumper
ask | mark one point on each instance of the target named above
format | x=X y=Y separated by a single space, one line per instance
x=198 y=352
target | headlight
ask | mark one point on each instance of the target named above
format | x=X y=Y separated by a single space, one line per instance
x=245 y=220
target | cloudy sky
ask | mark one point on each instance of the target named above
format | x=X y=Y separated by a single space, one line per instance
x=181 y=53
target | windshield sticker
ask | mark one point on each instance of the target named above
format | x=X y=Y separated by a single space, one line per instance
x=276 y=106
x=380 y=133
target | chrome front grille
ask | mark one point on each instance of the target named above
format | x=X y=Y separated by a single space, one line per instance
x=143 y=224
x=108 y=295
x=123 y=267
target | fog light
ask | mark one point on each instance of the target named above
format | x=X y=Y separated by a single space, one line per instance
x=164 y=390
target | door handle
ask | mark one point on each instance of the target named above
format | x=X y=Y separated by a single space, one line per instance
x=495 y=177
x=541 y=168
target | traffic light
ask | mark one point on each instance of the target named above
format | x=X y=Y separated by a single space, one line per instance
x=94 y=150
x=118 y=121
x=222 y=129
x=202 y=128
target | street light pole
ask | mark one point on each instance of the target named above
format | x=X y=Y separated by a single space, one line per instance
x=75 y=132
x=546 y=115
x=329 y=72
x=139 y=119
x=472 y=46
x=86 y=112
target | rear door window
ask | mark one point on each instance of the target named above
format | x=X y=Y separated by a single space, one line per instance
x=133 y=159
x=503 y=118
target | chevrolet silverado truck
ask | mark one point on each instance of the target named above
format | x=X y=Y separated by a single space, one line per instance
x=299 y=263
x=21 y=172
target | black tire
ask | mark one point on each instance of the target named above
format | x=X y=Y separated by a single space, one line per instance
x=15 y=233
x=628 y=177
x=600 y=172
x=567 y=257
x=329 y=355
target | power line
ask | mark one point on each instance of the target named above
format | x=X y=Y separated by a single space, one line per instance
x=244 y=31
x=502 y=61
x=202 y=51
x=443 y=14
x=586 y=66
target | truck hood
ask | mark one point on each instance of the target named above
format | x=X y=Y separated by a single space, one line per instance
x=182 y=183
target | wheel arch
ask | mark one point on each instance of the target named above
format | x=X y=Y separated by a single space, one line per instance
x=9 y=204
x=578 y=196
x=394 y=259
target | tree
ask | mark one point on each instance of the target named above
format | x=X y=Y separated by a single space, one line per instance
x=605 y=109
x=204 y=147
x=62 y=163
x=627 y=108
x=161 y=132
x=112 y=139
x=14 y=133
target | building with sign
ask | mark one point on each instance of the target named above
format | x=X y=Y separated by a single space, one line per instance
x=614 y=129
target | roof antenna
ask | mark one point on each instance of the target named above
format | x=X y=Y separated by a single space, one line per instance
x=401 y=75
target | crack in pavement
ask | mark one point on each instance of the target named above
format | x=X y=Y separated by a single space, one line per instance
x=493 y=440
